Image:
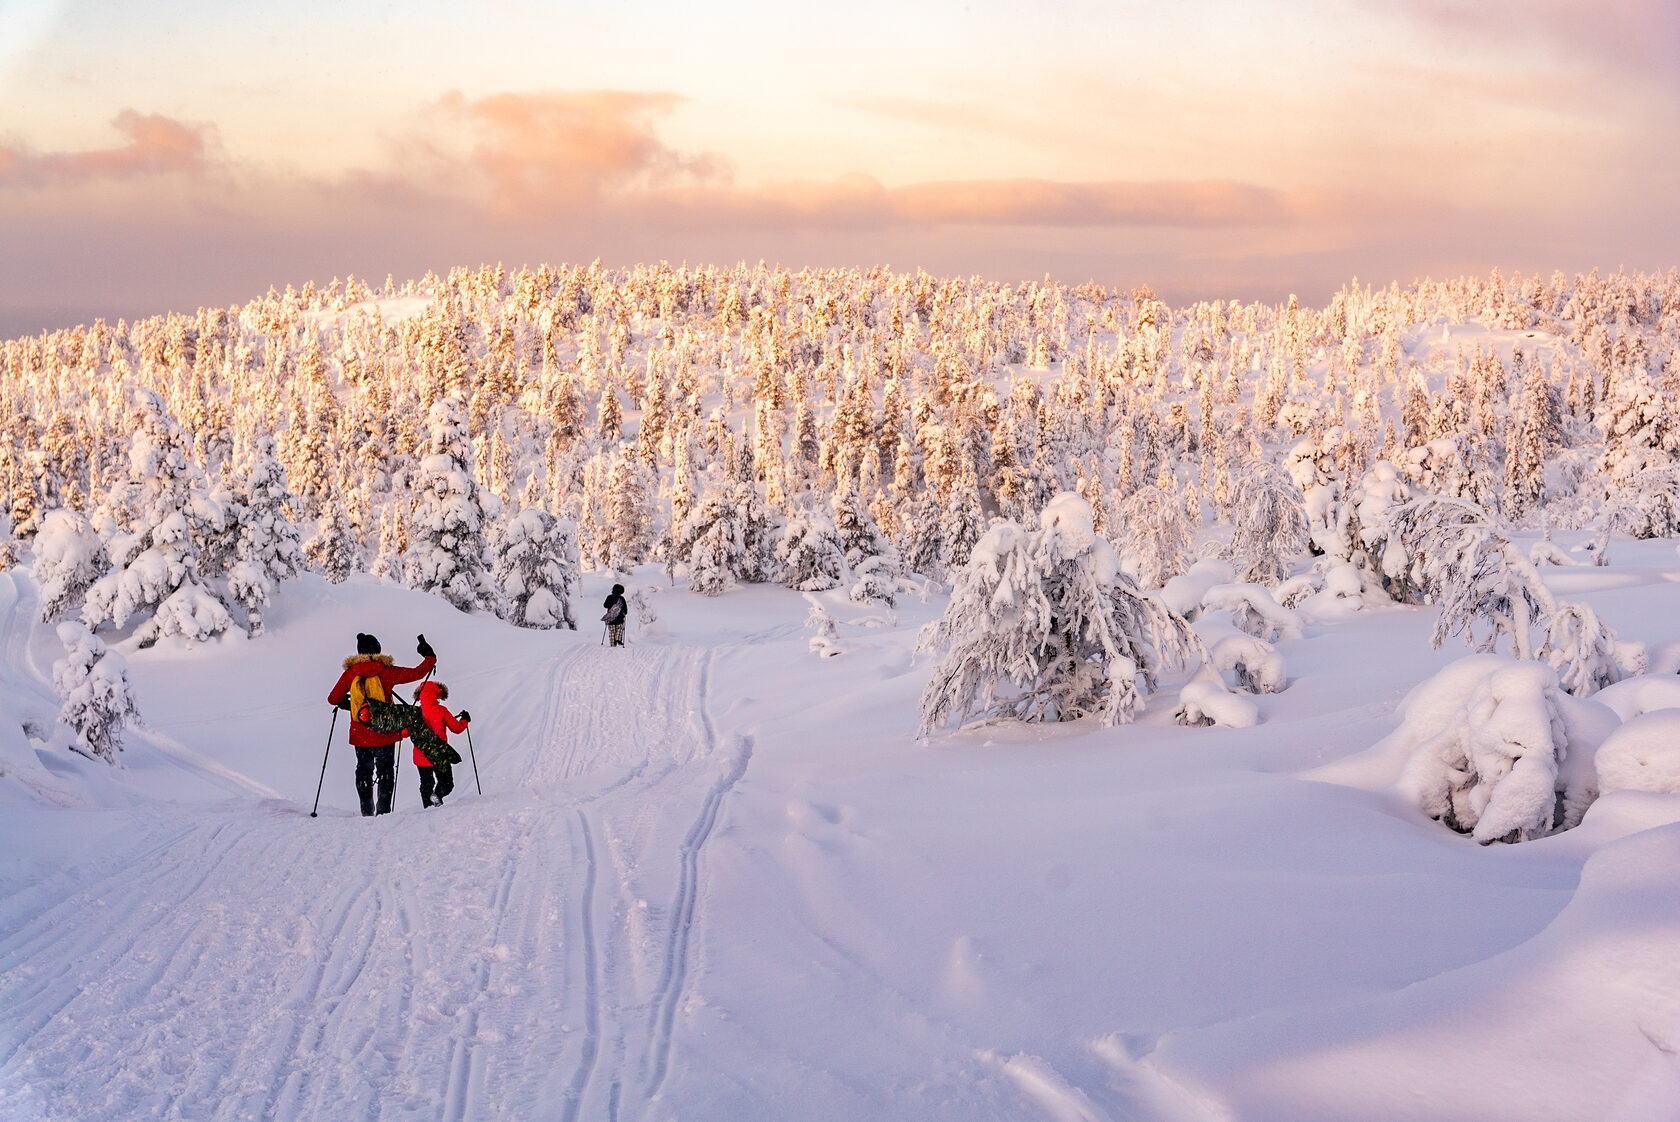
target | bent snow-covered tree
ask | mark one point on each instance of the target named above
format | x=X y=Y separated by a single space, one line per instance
x=92 y=682
x=1046 y=626
x=1270 y=525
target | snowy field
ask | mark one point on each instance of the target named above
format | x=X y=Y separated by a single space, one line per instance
x=713 y=876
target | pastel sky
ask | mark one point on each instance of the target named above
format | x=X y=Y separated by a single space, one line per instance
x=162 y=156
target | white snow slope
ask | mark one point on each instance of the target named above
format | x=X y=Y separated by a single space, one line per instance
x=711 y=876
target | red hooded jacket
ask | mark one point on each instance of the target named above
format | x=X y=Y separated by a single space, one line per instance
x=441 y=720
x=374 y=666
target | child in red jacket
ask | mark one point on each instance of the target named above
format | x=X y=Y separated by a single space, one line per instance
x=438 y=781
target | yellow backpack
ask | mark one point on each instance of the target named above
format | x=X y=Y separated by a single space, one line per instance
x=362 y=690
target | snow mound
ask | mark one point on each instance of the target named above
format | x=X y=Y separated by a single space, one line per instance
x=1631 y=697
x=1642 y=755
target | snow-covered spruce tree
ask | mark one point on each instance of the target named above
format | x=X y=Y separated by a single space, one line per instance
x=447 y=547
x=809 y=553
x=69 y=557
x=1046 y=626
x=156 y=563
x=1586 y=654
x=1270 y=521
x=713 y=539
x=332 y=551
x=536 y=568
x=92 y=682
x=267 y=550
x=628 y=511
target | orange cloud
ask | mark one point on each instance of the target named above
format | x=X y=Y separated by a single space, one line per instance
x=157 y=145
x=557 y=147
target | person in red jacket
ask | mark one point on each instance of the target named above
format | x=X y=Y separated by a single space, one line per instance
x=437 y=781
x=376 y=752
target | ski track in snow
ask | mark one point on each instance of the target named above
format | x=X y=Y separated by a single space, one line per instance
x=524 y=954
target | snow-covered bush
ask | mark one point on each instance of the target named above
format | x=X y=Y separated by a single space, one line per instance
x=876 y=581
x=1255 y=663
x=825 y=642
x=1642 y=755
x=1270 y=525
x=809 y=553
x=69 y=557
x=1648 y=506
x=1205 y=700
x=1183 y=593
x=1502 y=753
x=1253 y=611
x=536 y=569
x=92 y=682
x=1046 y=626
x=1586 y=653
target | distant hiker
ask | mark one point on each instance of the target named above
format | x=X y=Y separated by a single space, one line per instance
x=437 y=779
x=617 y=609
x=370 y=676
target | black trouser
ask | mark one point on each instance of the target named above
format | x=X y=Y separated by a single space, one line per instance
x=380 y=761
x=437 y=788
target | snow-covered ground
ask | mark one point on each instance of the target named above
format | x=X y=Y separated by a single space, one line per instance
x=712 y=876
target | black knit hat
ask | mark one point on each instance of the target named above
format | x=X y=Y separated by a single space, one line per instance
x=366 y=644
x=618 y=589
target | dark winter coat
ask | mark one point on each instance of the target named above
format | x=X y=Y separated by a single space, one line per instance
x=438 y=719
x=616 y=610
x=374 y=666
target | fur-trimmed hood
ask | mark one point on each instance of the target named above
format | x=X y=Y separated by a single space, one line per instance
x=359 y=659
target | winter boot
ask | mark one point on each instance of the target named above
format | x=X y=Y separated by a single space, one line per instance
x=364 y=792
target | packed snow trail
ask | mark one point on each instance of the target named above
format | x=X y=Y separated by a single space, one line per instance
x=525 y=954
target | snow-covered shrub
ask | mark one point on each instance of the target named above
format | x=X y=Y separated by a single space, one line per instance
x=1205 y=700
x=1046 y=626
x=1642 y=755
x=1183 y=593
x=1585 y=653
x=1648 y=506
x=69 y=557
x=713 y=539
x=1455 y=467
x=536 y=569
x=1255 y=663
x=1253 y=611
x=447 y=548
x=877 y=581
x=92 y=681
x=1269 y=518
x=809 y=553
x=825 y=643
x=1502 y=753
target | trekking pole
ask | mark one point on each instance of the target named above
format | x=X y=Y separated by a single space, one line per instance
x=603 y=635
x=324 y=755
x=474 y=757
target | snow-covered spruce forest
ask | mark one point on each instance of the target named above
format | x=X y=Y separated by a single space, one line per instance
x=1085 y=470
x=1039 y=702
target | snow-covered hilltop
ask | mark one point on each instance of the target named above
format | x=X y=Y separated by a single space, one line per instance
x=1040 y=702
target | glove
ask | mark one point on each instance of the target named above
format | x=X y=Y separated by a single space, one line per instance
x=424 y=647
x=465 y=717
x=345 y=704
